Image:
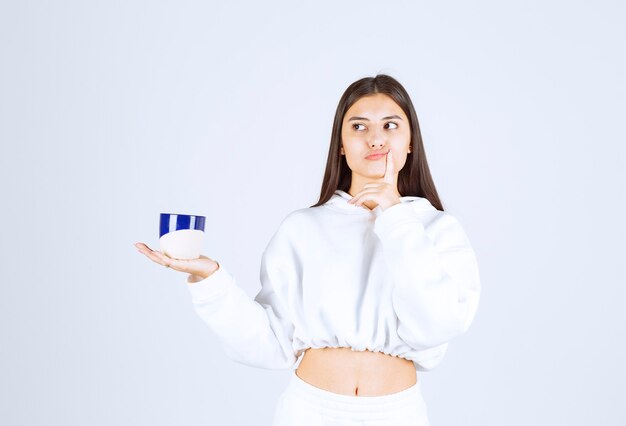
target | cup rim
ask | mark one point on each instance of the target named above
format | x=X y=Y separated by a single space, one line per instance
x=182 y=214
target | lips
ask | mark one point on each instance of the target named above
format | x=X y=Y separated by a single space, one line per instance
x=376 y=156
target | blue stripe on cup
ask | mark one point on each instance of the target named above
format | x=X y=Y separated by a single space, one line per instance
x=170 y=222
x=182 y=222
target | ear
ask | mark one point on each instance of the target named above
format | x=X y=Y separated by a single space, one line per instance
x=342 y=153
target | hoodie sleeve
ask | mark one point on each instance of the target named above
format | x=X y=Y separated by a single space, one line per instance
x=258 y=332
x=436 y=284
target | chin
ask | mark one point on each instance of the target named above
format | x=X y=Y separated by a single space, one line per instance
x=375 y=172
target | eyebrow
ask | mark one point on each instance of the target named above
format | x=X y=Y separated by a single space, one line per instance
x=367 y=119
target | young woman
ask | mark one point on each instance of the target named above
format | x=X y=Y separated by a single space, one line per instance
x=368 y=285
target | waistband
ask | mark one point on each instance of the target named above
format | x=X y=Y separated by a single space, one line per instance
x=331 y=400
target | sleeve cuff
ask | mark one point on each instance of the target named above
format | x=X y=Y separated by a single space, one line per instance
x=401 y=213
x=392 y=217
x=212 y=287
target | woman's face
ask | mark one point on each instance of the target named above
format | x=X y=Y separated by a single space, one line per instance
x=374 y=124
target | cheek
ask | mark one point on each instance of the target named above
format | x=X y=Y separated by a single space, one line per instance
x=400 y=156
x=346 y=137
x=345 y=134
x=349 y=143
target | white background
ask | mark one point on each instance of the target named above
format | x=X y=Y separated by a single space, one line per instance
x=112 y=112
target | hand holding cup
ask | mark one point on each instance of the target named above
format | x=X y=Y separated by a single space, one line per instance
x=201 y=267
x=180 y=238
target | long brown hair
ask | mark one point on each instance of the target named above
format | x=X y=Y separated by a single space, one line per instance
x=414 y=178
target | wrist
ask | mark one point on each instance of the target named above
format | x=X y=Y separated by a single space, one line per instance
x=203 y=275
x=393 y=203
x=210 y=271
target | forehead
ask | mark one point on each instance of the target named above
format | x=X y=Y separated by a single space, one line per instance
x=375 y=107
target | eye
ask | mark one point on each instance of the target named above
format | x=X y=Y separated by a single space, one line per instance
x=395 y=124
x=357 y=124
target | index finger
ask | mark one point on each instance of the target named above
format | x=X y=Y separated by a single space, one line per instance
x=156 y=256
x=141 y=246
x=389 y=170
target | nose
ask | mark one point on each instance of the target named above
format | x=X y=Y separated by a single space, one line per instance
x=377 y=139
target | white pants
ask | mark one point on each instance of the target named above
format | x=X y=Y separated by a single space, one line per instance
x=302 y=404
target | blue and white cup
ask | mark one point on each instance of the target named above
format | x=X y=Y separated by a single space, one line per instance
x=181 y=235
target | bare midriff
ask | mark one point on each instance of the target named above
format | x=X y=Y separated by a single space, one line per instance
x=356 y=373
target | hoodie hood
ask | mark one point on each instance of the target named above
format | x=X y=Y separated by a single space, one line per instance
x=339 y=201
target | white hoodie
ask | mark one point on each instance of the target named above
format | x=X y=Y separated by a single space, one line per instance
x=403 y=281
